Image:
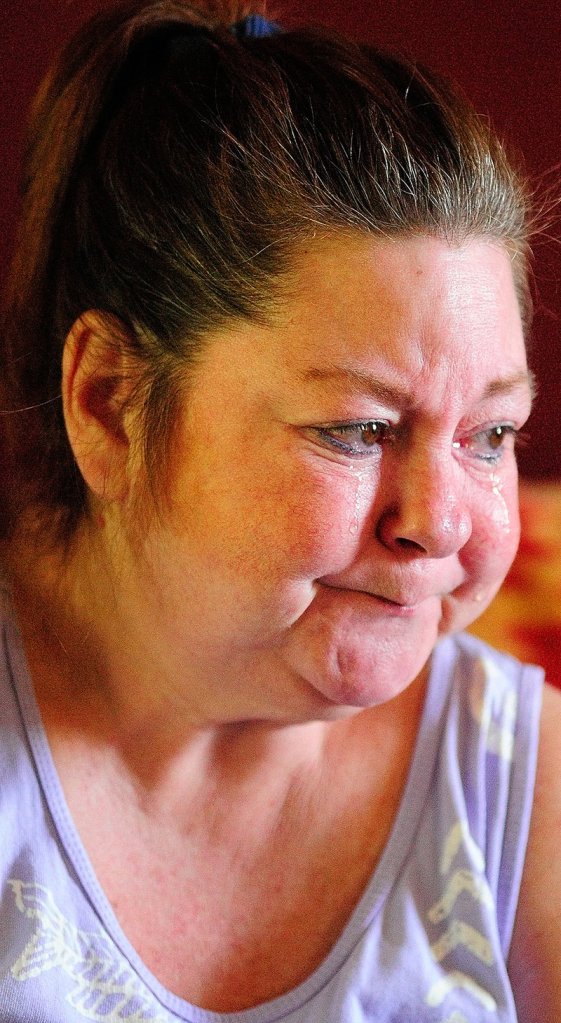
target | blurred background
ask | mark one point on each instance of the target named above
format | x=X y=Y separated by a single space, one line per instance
x=506 y=54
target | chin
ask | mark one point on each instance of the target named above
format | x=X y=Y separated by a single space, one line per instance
x=363 y=658
x=350 y=690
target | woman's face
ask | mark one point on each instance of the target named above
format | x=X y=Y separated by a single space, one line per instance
x=344 y=483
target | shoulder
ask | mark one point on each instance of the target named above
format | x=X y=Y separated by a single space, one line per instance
x=500 y=700
x=535 y=958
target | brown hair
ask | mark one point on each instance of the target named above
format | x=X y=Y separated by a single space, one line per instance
x=172 y=166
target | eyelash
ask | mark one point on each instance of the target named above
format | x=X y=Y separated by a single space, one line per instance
x=499 y=432
x=382 y=433
x=333 y=434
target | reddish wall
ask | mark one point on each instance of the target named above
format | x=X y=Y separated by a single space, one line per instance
x=507 y=56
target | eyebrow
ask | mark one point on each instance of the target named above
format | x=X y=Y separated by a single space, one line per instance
x=369 y=384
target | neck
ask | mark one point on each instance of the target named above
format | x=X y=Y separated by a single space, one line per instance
x=99 y=683
x=95 y=674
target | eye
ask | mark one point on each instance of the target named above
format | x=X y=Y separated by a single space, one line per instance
x=489 y=445
x=357 y=440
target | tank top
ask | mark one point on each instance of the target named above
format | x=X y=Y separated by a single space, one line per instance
x=428 y=940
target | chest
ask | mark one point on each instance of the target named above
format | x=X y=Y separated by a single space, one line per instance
x=227 y=924
x=227 y=903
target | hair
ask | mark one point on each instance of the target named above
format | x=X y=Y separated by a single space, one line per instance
x=173 y=165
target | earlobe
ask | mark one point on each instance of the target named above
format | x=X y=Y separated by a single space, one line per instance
x=96 y=386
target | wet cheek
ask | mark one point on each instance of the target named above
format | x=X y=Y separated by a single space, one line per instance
x=313 y=521
x=485 y=559
x=363 y=490
x=495 y=535
x=503 y=507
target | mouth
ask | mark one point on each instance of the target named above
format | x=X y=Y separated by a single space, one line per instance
x=403 y=608
x=402 y=605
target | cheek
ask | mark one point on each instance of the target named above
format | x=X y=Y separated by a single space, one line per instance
x=309 y=520
x=495 y=533
x=487 y=556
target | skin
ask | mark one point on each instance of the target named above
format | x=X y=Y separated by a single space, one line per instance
x=331 y=575
x=274 y=621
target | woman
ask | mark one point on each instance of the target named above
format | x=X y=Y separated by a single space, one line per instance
x=264 y=367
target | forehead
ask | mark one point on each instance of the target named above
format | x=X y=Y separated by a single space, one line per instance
x=351 y=280
x=419 y=308
x=437 y=324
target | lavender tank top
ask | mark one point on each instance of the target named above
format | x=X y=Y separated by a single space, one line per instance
x=428 y=940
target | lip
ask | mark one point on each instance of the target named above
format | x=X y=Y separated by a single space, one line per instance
x=405 y=606
x=397 y=606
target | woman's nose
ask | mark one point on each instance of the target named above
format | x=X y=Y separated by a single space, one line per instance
x=428 y=512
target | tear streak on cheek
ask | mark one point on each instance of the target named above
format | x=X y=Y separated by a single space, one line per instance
x=362 y=500
x=500 y=513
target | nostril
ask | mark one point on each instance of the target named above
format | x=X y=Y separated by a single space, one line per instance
x=406 y=544
x=417 y=533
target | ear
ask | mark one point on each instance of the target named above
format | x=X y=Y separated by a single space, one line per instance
x=96 y=384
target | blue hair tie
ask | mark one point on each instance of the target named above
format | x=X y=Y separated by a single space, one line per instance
x=255 y=27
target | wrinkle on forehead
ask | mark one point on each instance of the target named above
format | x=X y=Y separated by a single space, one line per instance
x=412 y=322
x=359 y=382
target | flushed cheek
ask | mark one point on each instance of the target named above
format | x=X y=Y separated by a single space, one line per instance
x=340 y=509
x=488 y=556
x=496 y=529
x=311 y=520
x=503 y=506
x=361 y=493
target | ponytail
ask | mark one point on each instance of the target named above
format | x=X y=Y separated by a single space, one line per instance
x=71 y=108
